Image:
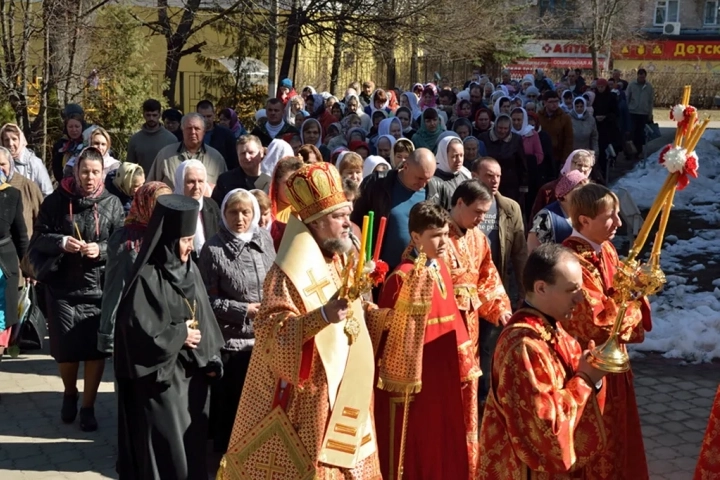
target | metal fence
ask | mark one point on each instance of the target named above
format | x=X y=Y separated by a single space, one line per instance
x=396 y=72
x=316 y=72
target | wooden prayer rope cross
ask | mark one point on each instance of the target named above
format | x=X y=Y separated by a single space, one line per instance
x=316 y=287
x=270 y=468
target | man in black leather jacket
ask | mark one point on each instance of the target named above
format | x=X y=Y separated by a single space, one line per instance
x=392 y=194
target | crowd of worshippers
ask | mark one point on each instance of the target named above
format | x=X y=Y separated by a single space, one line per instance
x=530 y=143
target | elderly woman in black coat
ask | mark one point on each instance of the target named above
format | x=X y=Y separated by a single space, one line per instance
x=13 y=243
x=68 y=252
x=507 y=148
x=233 y=264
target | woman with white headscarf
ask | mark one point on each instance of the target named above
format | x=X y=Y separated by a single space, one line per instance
x=585 y=132
x=412 y=104
x=353 y=105
x=583 y=160
x=450 y=159
x=99 y=138
x=532 y=147
x=384 y=146
x=191 y=181
x=391 y=126
x=374 y=163
x=276 y=150
x=311 y=133
x=294 y=105
x=502 y=106
x=233 y=265
x=25 y=162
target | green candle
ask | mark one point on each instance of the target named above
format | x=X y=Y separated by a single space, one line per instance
x=368 y=253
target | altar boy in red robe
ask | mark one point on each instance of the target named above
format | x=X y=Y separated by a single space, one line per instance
x=594 y=212
x=708 y=466
x=543 y=417
x=427 y=359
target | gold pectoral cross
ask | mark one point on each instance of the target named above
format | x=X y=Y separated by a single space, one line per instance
x=193 y=321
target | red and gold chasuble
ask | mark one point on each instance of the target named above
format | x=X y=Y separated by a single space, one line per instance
x=708 y=466
x=292 y=348
x=541 y=421
x=479 y=293
x=432 y=359
x=624 y=457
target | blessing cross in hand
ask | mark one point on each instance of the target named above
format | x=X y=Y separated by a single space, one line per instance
x=316 y=287
x=270 y=468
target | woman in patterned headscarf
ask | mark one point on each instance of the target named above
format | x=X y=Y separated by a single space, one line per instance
x=68 y=254
x=123 y=247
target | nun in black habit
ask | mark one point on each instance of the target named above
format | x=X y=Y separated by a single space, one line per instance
x=167 y=351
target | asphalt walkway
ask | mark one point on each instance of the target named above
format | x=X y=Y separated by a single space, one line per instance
x=674 y=402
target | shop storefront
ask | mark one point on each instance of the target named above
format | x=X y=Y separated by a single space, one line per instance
x=554 y=56
x=680 y=56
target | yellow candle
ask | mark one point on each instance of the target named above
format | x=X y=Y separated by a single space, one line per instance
x=691 y=129
x=678 y=138
x=686 y=95
x=697 y=135
x=660 y=235
x=363 y=247
x=653 y=214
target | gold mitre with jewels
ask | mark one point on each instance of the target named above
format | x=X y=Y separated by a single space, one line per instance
x=316 y=190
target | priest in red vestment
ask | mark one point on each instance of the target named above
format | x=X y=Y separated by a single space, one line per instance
x=708 y=466
x=543 y=417
x=594 y=212
x=425 y=362
x=479 y=291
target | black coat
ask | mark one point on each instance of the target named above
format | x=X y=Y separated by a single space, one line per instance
x=74 y=290
x=13 y=244
x=261 y=132
x=223 y=140
x=510 y=154
x=210 y=216
x=606 y=105
x=237 y=178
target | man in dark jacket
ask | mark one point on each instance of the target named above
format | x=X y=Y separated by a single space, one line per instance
x=392 y=194
x=217 y=136
x=606 y=116
x=274 y=127
x=247 y=176
x=558 y=125
x=503 y=225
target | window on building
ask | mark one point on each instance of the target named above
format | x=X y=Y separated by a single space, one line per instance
x=711 y=12
x=551 y=6
x=667 y=11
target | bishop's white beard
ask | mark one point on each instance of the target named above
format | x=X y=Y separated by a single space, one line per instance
x=337 y=245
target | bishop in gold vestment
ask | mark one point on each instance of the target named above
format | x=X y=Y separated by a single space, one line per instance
x=302 y=362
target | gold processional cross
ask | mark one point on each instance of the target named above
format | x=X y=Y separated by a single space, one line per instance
x=270 y=468
x=316 y=287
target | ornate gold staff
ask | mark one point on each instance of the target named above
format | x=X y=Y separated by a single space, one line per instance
x=633 y=279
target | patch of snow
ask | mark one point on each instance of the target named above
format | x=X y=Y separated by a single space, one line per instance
x=700 y=197
x=686 y=319
x=686 y=325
